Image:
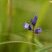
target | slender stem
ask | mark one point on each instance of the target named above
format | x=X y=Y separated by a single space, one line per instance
x=32 y=47
x=9 y=15
x=9 y=21
x=33 y=35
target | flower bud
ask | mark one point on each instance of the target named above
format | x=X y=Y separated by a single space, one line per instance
x=33 y=21
x=38 y=30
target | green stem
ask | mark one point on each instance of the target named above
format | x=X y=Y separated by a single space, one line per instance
x=38 y=42
x=9 y=21
x=33 y=35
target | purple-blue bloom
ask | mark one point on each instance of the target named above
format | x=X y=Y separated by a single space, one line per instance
x=27 y=26
x=33 y=21
x=30 y=28
x=38 y=30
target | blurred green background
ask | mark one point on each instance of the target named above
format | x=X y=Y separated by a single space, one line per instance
x=23 y=11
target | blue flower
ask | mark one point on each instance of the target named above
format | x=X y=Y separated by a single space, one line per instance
x=38 y=30
x=31 y=27
x=33 y=21
x=27 y=26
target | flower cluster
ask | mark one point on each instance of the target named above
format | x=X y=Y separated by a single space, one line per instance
x=33 y=23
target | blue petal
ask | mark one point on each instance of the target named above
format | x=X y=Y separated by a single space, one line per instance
x=26 y=25
x=38 y=30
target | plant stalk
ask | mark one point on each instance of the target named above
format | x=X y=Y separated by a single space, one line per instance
x=9 y=19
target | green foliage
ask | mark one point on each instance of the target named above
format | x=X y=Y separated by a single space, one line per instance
x=18 y=39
